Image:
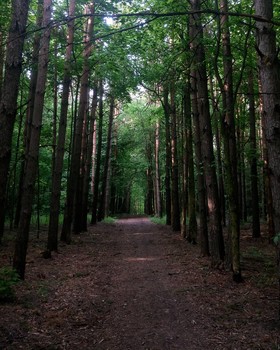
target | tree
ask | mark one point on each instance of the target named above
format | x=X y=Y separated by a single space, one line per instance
x=103 y=201
x=73 y=180
x=229 y=138
x=31 y=168
x=206 y=137
x=269 y=67
x=254 y=169
x=58 y=164
x=8 y=103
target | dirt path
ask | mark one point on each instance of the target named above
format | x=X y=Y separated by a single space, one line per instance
x=135 y=285
x=149 y=308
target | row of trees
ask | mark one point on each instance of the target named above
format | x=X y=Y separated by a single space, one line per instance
x=169 y=110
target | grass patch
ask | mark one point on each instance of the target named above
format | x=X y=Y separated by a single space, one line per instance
x=109 y=220
x=8 y=278
x=157 y=220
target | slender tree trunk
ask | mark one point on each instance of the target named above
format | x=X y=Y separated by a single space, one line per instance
x=92 y=132
x=192 y=230
x=167 y=157
x=33 y=154
x=230 y=154
x=149 y=176
x=215 y=227
x=58 y=166
x=98 y=156
x=104 y=189
x=254 y=168
x=157 y=172
x=78 y=203
x=77 y=144
x=30 y=104
x=2 y=56
x=269 y=68
x=186 y=112
x=8 y=103
x=216 y=117
x=175 y=199
x=191 y=198
x=201 y=188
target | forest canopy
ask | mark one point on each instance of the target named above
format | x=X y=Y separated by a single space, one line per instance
x=164 y=108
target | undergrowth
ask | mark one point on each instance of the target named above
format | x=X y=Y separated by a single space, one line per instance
x=8 y=278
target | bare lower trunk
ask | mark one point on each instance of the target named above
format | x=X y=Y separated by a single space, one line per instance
x=206 y=137
x=58 y=166
x=33 y=153
x=8 y=103
x=269 y=67
x=77 y=144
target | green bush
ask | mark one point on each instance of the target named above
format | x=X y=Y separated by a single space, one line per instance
x=8 y=278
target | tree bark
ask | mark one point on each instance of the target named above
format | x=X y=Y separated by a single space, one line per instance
x=8 y=103
x=89 y=159
x=106 y=175
x=157 y=172
x=98 y=156
x=253 y=160
x=175 y=199
x=269 y=68
x=77 y=144
x=31 y=169
x=201 y=188
x=230 y=154
x=167 y=157
x=214 y=226
x=60 y=149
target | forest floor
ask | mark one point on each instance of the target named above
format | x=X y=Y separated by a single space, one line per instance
x=135 y=285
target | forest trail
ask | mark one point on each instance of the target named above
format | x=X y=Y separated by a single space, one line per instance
x=135 y=285
x=150 y=308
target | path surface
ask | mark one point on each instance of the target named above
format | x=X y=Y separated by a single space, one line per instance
x=134 y=285
x=150 y=306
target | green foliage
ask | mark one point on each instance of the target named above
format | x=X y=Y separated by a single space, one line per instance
x=109 y=220
x=8 y=278
x=157 y=220
x=276 y=240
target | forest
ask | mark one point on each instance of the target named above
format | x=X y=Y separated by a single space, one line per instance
x=169 y=109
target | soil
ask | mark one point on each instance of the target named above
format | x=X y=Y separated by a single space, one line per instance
x=137 y=285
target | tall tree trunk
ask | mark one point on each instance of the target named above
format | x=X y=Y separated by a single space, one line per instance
x=30 y=104
x=77 y=144
x=167 y=157
x=254 y=168
x=175 y=199
x=149 y=176
x=215 y=227
x=58 y=166
x=192 y=229
x=186 y=112
x=8 y=103
x=216 y=119
x=105 y=187
x=230 y=155
x=201 y=188
x=191 y=198
x=88 y=165
x=157 y=172
x=98 y=156
x=269 y=68
x=2 y=56
x=31 y=169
